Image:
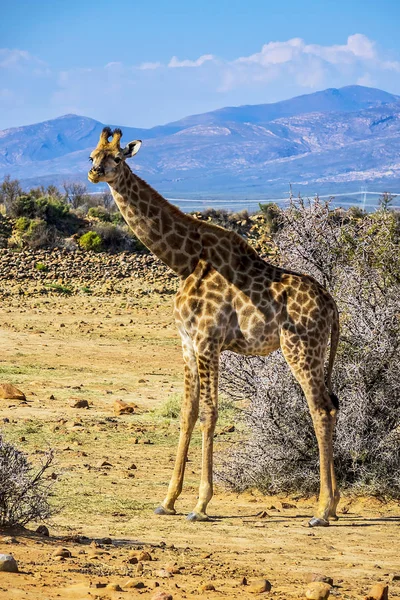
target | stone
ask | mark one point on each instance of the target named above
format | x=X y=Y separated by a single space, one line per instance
x=319 y=577
x=143 y=556
x=8 y=563
x=132 y=467
x=163 y=574
x=317 y=590
x=287 y=505
x=162 y=596
x=133 y=584
x=207 y=587
x=62 y=553
x=114 y=587
x=123 y=408
x=79 y=403
x=103 y=463
x=10 y=392
x=260 y=586
x=42 y=530
x=379 y=591
x=132 y=560
x=394 y=577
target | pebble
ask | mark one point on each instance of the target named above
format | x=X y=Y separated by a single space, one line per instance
x=163 y=574
x=260 y=586
x=114 y=587
x=379 y=591
x=319 y=577
x=317 y=590
x=79 y=403
x=162 y=596
x=8 y=563
x=207 y=587
x=133 y=584
x=122 y=408
x=62 y=553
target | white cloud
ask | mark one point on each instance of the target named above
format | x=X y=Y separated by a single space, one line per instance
x=175 y=62
x=156 y=92
x=150 y=66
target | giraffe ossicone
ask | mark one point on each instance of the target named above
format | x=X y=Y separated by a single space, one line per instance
x=229 y=298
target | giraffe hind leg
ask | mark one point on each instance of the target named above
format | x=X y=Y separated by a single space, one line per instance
x=307 y=365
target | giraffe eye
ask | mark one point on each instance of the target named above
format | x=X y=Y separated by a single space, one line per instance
x=91 y=159
x=117 y=159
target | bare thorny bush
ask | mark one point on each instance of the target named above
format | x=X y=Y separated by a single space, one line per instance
x=24 y=491
x=357 y=259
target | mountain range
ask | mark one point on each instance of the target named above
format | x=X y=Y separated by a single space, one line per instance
x=328 y=141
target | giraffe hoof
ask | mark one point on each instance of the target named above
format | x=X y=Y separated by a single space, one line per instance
x=195 y=516
x=333 y=518
x=161 y=510
x=315 y=522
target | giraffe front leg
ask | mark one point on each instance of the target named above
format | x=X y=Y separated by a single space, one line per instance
x=208 y=374
x=189 y=414
x=323 y=424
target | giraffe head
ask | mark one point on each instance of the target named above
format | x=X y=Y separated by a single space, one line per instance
x=108 y=156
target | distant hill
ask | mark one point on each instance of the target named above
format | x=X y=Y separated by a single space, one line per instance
x=329 y=140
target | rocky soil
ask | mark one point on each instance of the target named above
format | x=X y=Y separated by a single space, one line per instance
x=78 y=359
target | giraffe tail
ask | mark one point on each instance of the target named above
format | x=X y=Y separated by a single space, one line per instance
x=332 y=353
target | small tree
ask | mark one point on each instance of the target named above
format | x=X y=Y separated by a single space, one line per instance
x=24 y=491
x=75 y=193
x=10 y=189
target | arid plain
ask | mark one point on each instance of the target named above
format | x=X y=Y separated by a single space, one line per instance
x=120 y=343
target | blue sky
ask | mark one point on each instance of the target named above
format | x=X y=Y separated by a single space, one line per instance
x=146 y=63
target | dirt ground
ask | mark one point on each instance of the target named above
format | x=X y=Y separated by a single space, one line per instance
x=59 y=349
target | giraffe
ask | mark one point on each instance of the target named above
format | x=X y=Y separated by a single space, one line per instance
x=228 y=299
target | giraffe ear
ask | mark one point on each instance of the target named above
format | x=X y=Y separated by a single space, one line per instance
x=132 y=148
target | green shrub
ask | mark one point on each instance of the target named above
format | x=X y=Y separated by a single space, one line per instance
x=170 y=408
x=39 y=235
x=22 y=224
x=41 y=267
x=23 y=206
x=53 y=211
x=100 y=213
x=91 y=241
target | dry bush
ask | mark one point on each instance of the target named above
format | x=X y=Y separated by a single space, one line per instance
x=24 y=492
x=358 y=260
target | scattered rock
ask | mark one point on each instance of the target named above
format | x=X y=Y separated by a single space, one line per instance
x=10 y=392
x=114 y=587
x=162 y=596
x=141 y=555
x=207 y=587
x=8 y=563
x=122 y=408
x=163 y=574
x=394 y=577
x=42 y=530
x=62 y=553
x=132 y=560
x=243 y=581
x=317 y=590
x=132 y=467
x=260 y=586
x=379 y=591
x=103 y=463
x=287 y=505
x=319 y=577
x=133 y=584
x=79 y=403
x=262 y=514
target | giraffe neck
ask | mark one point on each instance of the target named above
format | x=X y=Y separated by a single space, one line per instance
x=163 y=228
